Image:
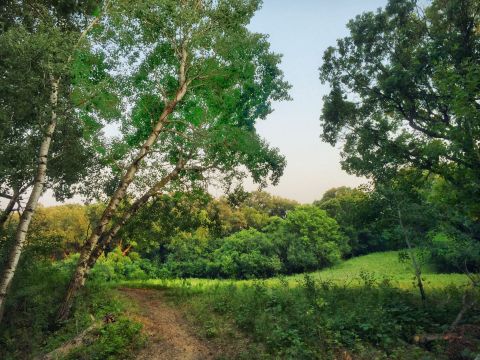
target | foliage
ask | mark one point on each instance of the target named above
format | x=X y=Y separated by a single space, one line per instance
x=175 y=217
x=404 y=92
x=59 y=230
x=308 y=239
x=117 y=266
x=452 y=253
x=39 y=43
x=119 y=340
x=317 y=319
x=358 y=214
x=246 y=254
x=28 y=328
x=204 y=71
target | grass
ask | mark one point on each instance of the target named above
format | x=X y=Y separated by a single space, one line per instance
x=353 y=272
x=366 y=306
x=381 y=266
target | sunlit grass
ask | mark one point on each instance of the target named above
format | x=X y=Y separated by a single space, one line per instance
x=376 y=267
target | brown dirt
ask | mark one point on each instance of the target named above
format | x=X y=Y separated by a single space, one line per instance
x=169 y=336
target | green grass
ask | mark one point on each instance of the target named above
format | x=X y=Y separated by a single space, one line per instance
x=381 y=266
x=367 y=306
x=354 y=272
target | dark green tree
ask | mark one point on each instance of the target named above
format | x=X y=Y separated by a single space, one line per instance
x=405 y=92
x=358 y=213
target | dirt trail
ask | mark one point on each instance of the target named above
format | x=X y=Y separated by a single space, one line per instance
x=170 y=337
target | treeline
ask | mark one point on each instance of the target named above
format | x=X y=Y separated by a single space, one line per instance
x=257 y=235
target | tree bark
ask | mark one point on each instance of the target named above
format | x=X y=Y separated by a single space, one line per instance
x=38 y=186
x=416 y=266
x=108 y=237
x=82 y=268
x=9 y=208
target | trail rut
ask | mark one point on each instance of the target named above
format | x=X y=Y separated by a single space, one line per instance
x=169 y=336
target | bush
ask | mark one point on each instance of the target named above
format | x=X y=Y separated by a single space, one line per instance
x=28 y=327
x=308 y=239
x=116 y=266
x=117 y=340
x=247 y=254
x=452 y=253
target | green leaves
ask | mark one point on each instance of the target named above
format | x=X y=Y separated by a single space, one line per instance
x=404 y=90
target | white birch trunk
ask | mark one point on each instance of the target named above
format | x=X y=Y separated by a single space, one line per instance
x=26 y=218
x=82 y=268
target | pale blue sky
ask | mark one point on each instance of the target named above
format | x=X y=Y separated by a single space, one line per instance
x=301 y=30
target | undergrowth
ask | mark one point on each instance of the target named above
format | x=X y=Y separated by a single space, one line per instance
x=28 y=328
x=326 y=320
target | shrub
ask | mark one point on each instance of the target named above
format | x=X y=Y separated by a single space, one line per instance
x=452 y=253
x=247 y=254
x=117 y=340
x=308 y=239
x=28 y=325
x=117 y=266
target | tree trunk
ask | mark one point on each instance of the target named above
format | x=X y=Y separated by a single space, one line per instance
x=9 y=208
x=416 y=266
x=38 y=186
x=107 y=238
x=81 y=271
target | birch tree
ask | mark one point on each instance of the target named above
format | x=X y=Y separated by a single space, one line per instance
x=203 y=81
x=44 y=40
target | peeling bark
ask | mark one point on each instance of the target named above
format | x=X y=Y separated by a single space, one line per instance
x=38 y=186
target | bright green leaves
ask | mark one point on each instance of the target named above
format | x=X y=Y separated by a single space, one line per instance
x=232 y=79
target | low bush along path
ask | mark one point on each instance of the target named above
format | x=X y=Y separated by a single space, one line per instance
x=169 y=335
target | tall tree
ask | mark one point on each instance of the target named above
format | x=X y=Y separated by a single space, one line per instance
x=41 y=43
x=202 y=81
x=405 y=92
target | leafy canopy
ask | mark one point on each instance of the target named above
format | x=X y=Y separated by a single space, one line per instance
x=405 y=88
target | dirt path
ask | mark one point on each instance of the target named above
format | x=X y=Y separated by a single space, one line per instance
x=170 y=337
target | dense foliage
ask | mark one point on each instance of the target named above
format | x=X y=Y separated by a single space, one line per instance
x=185 y=83
x=30 y=332
x=326 y=320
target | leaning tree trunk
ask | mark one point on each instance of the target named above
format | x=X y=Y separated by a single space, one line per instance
x=9 y=208
x=26 y=218
x=108 y=237
x=81 y=271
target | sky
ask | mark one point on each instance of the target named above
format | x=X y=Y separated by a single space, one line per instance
x=301 y=30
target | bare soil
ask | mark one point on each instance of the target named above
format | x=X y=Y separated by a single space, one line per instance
x=169 y=335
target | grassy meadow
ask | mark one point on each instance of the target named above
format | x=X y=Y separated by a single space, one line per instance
x=362 y=308
x=377 y=267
